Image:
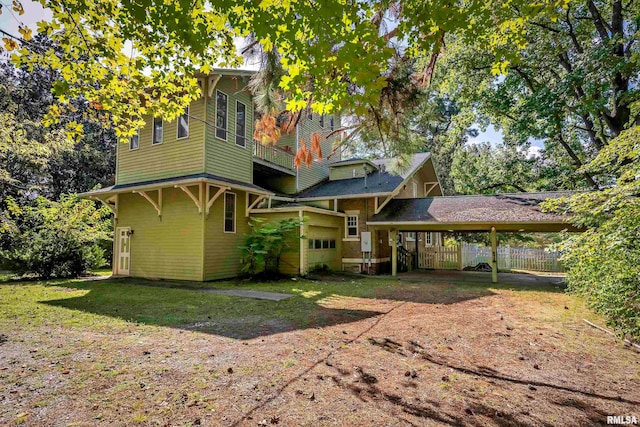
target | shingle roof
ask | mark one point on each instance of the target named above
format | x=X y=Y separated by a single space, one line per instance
x=192 y=177
x=377 y=181
x=498 y=208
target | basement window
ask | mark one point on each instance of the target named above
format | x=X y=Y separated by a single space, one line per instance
x=229 y=212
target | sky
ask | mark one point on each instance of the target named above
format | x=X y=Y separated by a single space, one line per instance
x=34 y=12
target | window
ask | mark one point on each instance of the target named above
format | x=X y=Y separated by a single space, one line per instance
x=322 y=244
x=241 y=128
x=321 y=120
x=352 y=226
x=157 y=131
x=415 y=190
x=134 y=142
x=229 y=213
x=221 y=115
x=428 y=238
x=331 y=123
x=310 y=114
x=183 y=124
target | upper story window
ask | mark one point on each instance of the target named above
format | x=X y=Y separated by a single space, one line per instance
x=331 y=123
x=241 y=124
x=157 y=131
x=221 y=115
x=321 y=120
x=183 y=124
x=134 y=142
x=415 y=190
x=352 y=224
x=310 y=114
x=229 y=212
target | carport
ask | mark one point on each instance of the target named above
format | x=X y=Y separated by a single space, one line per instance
x=500 y=213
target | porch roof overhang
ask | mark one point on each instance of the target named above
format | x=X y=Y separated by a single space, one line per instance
x=184 y=180
x=516 y=212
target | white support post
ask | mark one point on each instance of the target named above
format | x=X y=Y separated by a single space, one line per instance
x=254 y=203
x=394 y=252
x=211 y=201
x=494 y=256
x=113 y=209
x=195 y=199
x=156 y=205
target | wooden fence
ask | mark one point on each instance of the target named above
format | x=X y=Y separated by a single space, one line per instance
x=469 y=255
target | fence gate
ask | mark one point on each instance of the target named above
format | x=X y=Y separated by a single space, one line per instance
x=440 y=258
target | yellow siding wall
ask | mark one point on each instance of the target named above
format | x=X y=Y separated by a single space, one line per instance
x=347 y=171
x=319 y=225
x=225 y=158
x=169 y=247
x=425 y=174
x=171 y=158
x=222 y=253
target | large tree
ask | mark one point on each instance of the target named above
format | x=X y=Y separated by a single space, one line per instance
x=572 y=85
x=129 y=59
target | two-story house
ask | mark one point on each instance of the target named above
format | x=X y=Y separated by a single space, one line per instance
x=185 y=191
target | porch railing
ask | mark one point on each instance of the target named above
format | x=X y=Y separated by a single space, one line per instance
x=273 y=154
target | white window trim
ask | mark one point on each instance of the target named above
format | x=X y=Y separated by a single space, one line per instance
x=347 y=237
x=138 y=147
x=178 y=125
x=153 y=132
x=245 y=125
x=415 y=190
x=428 y=242
x=224 y=212
x=226 y=130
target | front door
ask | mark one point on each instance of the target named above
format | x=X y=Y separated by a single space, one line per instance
x=123 y=250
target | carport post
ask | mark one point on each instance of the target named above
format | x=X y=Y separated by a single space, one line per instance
x=394 y=251
x=494 y=256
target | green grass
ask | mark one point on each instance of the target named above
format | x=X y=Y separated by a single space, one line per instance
x=115 y=303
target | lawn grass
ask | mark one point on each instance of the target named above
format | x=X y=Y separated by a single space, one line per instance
x=137 y=352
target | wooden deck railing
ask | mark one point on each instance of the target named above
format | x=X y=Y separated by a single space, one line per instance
x=273 y=154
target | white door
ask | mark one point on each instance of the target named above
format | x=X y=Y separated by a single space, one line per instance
x=123 y=250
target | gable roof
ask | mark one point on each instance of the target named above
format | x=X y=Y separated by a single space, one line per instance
x=380 y=182
x=474 y=212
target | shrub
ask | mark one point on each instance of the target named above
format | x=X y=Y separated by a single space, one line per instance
x=54 y=239
x=604 y=262
x=266 y=244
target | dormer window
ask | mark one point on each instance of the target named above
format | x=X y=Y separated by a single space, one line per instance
x=157 y=131
x=183 y=124
x=134 y=142
x=221 y=115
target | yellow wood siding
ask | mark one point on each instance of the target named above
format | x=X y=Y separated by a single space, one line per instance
x=168 y=247
x=347 y=171
x=222 y=253
x=423 y=175
x=174 y=157
x=320 y=225
x=225 y=158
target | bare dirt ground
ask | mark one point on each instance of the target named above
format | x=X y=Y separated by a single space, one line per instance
x=380 y=353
